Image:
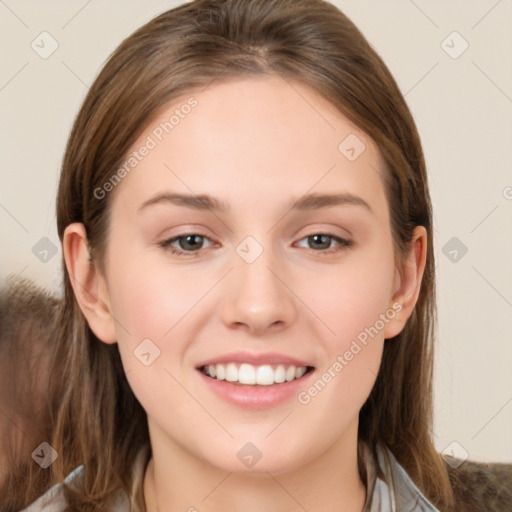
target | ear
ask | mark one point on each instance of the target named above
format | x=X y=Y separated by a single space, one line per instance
x=407 y=283
x=88 y=284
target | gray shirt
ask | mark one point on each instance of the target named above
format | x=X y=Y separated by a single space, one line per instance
x=398 y=494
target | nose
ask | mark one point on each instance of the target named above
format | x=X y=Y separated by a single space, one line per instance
x=258 y=297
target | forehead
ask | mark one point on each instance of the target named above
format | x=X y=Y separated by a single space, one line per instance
x=253 y=140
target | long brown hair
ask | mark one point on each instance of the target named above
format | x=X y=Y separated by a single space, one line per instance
x=99 y=422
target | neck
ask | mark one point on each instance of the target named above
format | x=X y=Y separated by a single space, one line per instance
x=177 y=480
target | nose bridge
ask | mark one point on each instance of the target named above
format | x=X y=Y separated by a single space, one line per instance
x=256 y=296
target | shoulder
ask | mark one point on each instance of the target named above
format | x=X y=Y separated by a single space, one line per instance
x=388 y=486
x=477 y=486
x=53 y=500
x=480 y=486
x=405 y=494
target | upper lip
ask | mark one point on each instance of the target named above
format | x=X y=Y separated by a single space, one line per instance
x=256 y=359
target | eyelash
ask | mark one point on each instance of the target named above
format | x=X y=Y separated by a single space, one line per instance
x=166 y=244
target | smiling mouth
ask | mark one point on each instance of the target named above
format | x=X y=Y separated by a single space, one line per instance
x=252 y=375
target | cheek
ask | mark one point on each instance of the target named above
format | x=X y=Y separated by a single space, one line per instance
x=353 y=305
x=342 y=387
x=349 y=297
x=153 y=307
x=149 y=300
x=146 y=309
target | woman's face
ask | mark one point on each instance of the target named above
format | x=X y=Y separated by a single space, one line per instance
x=294 y=273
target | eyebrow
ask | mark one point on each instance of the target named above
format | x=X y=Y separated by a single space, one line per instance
x=206 y=202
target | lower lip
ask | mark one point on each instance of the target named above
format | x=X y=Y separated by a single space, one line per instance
x=255 y=397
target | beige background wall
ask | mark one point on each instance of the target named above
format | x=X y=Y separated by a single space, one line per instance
x=462 y=103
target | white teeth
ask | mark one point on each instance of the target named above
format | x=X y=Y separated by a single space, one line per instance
x=231 y=372
x=245 y=373
x=280 y=374
x=290 y=373
x=264 y=375
x=299 y=372
x=220 y=371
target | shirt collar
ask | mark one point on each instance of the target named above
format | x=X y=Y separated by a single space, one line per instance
x=395 y=491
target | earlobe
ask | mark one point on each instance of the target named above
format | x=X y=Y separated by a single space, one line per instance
x=408 y=282
x=88 y=284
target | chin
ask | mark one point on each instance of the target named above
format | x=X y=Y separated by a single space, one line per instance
x=258 y=457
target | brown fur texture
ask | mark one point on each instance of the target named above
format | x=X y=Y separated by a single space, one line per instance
x=482 y=487
x=27 y=316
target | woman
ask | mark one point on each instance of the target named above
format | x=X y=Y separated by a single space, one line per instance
x=249 y=276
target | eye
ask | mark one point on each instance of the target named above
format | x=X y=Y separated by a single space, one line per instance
x=322 y=242
x=189 y=243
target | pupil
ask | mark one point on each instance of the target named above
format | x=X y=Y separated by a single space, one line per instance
x=319 y=238
x=189 y=237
